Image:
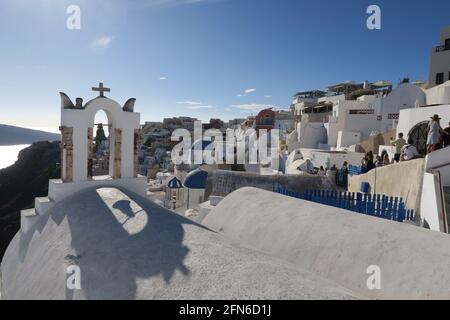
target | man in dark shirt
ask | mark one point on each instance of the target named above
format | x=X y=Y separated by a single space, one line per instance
x=446 y=136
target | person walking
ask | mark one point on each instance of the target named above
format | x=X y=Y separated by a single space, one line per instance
x=321 y=171
x=398 y=144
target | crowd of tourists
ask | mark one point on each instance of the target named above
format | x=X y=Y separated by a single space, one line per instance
x=405 y=150
x=437 y=138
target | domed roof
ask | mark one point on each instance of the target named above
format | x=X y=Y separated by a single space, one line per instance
x=200 y=144
x=175 y=183
x=127 y=247
x=196 y=179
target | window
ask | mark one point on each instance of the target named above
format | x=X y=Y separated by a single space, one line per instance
x=447 y=44
x=440 y=78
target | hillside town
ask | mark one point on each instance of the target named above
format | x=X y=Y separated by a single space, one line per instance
x=300 y=202
x=341 y=133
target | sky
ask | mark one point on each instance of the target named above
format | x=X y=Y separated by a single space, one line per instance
x=203 y=58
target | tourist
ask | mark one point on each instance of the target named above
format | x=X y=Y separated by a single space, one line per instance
x=446 y=136
x=386 y=160
x=365 y=162
x=342 y=175
x=409 y=151
x=332 y=173
x=345 y=167
x=398 y=144
x=321 y=171
x=378 y=162
x=434 y=133
x=370 y=163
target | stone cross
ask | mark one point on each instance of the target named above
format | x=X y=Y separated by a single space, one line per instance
x=101 y=89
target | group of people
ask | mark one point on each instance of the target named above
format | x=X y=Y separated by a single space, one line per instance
x=404 y=151
x=325 y=171
x=437 y=137
x=339 y=175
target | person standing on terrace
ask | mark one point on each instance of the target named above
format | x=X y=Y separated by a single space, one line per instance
x=434 y=133
x=398 y=144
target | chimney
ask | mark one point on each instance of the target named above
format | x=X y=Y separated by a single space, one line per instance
x=79 y=103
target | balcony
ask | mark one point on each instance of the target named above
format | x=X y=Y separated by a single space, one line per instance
x=442 y=48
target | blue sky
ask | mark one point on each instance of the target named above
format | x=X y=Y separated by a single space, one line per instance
x=203 y=58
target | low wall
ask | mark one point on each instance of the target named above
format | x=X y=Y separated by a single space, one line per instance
x=338 y=245
x=58 y=190
x=222 y=182
x=402 y=179
x=432 y=206
x=373 y=143
x=439 y=160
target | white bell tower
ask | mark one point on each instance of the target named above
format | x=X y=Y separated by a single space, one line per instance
x=77 y=122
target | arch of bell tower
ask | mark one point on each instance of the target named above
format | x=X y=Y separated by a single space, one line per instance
x=77 y=122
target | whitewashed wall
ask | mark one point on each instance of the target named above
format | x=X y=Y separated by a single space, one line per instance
x=439 y=94
x=432 y=206
x=410 y=117
x=347 y=138
x=404 y=96
x=82 y=119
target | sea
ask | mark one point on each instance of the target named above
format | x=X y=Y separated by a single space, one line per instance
x=9 y=154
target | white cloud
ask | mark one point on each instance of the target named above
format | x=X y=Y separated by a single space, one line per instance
x=194 y=105
x=228 y=109
x=239 y=95
x=102 y=42
x=253 y=107
x=191 y=103
x=162 y=78
x=251 y=90
x=199 y=107
x=268 y=97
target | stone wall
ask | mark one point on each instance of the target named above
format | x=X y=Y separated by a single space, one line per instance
x=222 y=182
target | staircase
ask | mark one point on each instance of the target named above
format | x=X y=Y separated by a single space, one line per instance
x=28 y=217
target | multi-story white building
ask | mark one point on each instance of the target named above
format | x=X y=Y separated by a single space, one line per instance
x=440 y=61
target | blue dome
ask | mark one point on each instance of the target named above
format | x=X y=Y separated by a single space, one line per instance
x=196 y=179
x=202 y=143
x=175 y=183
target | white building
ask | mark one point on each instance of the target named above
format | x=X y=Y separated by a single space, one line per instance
x=440 y=61
x=439 y=94
x=414 y=122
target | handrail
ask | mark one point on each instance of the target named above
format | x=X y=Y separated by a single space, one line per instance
x=440 y=166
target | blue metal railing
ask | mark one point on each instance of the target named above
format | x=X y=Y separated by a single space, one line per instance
x=356 y=170
x=382 y=206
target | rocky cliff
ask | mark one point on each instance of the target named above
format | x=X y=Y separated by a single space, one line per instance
x=22 y=182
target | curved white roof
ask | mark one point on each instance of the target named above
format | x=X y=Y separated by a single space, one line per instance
x=130 y=248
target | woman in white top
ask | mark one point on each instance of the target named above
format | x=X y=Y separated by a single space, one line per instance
x=434 y=133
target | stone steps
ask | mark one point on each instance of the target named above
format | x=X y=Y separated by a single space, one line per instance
x=43 y=204
x=28 y=218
